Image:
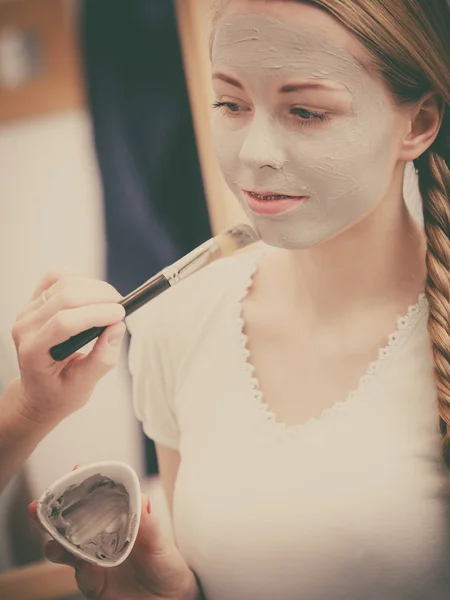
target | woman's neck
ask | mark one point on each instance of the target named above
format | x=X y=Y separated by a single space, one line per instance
x=380 y=259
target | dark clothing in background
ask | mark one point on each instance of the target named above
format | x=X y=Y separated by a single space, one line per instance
x=154 y=200
x=155 y=207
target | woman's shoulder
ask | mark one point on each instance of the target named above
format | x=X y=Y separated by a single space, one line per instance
x=194 y=299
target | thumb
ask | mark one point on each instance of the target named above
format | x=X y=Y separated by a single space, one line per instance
x=91 y=579
x=103 y=357
x=157 y=562
x=150 y=538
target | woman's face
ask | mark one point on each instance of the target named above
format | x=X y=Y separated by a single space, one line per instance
x=307 y=138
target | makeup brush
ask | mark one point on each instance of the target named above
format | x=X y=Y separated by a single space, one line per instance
x=222 y=245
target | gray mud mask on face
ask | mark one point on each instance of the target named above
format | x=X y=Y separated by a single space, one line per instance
x=95 y=516
x=343 y=167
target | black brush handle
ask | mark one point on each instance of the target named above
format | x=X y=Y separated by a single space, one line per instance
x=143 y=294
x=65 y=349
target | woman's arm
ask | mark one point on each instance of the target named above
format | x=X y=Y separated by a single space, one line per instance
x=168 y=463
x=19 y=435
x=47 y=392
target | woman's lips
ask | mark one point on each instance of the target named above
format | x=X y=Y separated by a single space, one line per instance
x=271 y=203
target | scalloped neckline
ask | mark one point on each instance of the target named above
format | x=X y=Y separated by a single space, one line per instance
x=406 y=323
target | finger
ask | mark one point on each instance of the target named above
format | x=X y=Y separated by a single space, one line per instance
x=71 y=321
x=36 y=299
x=64 y=325
x=77 y=291
x=32 y=510
x=48 y=280
x=55 y=553
x=33 y=305
x=30 y=307
x=66 y=293
x=90 y=579
x=150 y=538
x=104 y=356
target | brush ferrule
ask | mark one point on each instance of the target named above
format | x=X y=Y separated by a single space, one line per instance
x=171 y=274
x=192 y=262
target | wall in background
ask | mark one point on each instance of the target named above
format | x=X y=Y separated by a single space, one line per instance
x=51 y=216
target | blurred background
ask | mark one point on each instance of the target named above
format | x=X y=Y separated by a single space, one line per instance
x=107 y=169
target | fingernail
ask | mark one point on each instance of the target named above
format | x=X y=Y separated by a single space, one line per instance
x=115 y=339
x=149 y=508
x=75 y=467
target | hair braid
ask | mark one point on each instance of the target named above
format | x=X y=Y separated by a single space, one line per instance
x=434 y=182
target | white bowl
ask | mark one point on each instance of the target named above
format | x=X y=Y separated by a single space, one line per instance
x=119 y=473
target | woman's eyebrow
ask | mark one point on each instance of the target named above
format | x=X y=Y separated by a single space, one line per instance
x=289 y=87
x=228 y=79
x=332 y=86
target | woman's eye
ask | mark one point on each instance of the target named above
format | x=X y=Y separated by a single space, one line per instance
x=229 y=107
x=308 y=117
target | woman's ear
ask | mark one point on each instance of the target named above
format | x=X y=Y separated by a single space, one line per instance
x=423 y=126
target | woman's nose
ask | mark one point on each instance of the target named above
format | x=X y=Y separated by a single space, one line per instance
x=263 y=146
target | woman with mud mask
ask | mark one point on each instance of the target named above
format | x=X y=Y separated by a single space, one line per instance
x=299 y=396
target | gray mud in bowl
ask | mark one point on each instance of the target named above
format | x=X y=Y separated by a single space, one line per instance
x=95 y=516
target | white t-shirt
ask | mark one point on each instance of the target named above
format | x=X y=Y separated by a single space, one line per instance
x=353 y=505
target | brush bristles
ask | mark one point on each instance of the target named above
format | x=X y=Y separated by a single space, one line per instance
x=235 y=239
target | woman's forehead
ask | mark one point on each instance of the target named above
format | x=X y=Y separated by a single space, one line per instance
x=294 y=12
x=259 y=42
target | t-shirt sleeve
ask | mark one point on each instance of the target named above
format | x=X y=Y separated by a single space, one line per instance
x=151 y=369
x=167 y=332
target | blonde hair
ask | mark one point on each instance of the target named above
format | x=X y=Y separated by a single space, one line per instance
x=409 y=44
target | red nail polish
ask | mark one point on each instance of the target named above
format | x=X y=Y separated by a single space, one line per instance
x=149 y=508
x=75 y=467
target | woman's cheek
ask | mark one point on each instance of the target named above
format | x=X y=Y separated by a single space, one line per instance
x=227 y=145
